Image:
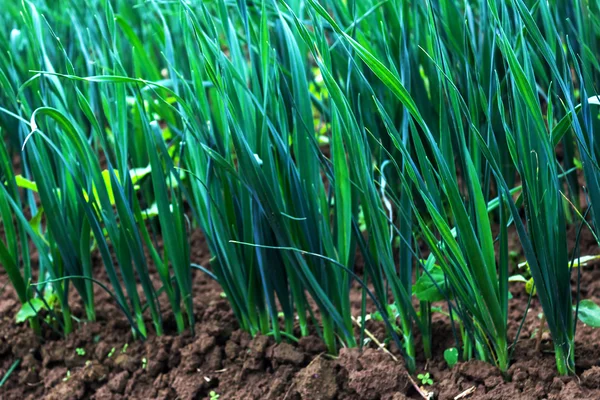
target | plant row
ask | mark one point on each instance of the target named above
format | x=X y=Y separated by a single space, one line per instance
x=300 y=137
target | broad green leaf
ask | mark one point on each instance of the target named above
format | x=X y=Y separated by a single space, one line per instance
x=29 y=310
x=426 y=287
x=589 y=313
x=34 y=306
x=451 y=356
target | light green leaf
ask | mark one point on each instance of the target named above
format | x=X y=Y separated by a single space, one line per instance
x=517 y=278
x=451 y=356
x=137 y=174
x=29 y=310
x=425 y=288
x=589 y=313
x=25 y=183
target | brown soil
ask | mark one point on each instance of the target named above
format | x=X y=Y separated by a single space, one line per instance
x=223 y=359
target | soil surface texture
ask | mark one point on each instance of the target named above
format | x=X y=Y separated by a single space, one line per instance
x=101 y=360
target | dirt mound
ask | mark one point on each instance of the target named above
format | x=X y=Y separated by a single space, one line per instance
x=101 y=360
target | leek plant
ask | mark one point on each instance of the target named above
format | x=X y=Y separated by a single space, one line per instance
x=580 y=95
x=258 y=174
x=538 y=170
x=381 y=225
x=469 y=263
x=16 y=263
x=87 y=206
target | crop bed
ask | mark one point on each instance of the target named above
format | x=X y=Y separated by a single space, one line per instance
x=226 y=361
x=300 y=199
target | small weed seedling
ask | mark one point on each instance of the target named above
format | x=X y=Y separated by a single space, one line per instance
x=111 y=352
x=68 y=376
x=214 y=395
x=425 y=379
x=80 y=351
x=144 y=363
x=451 y=356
